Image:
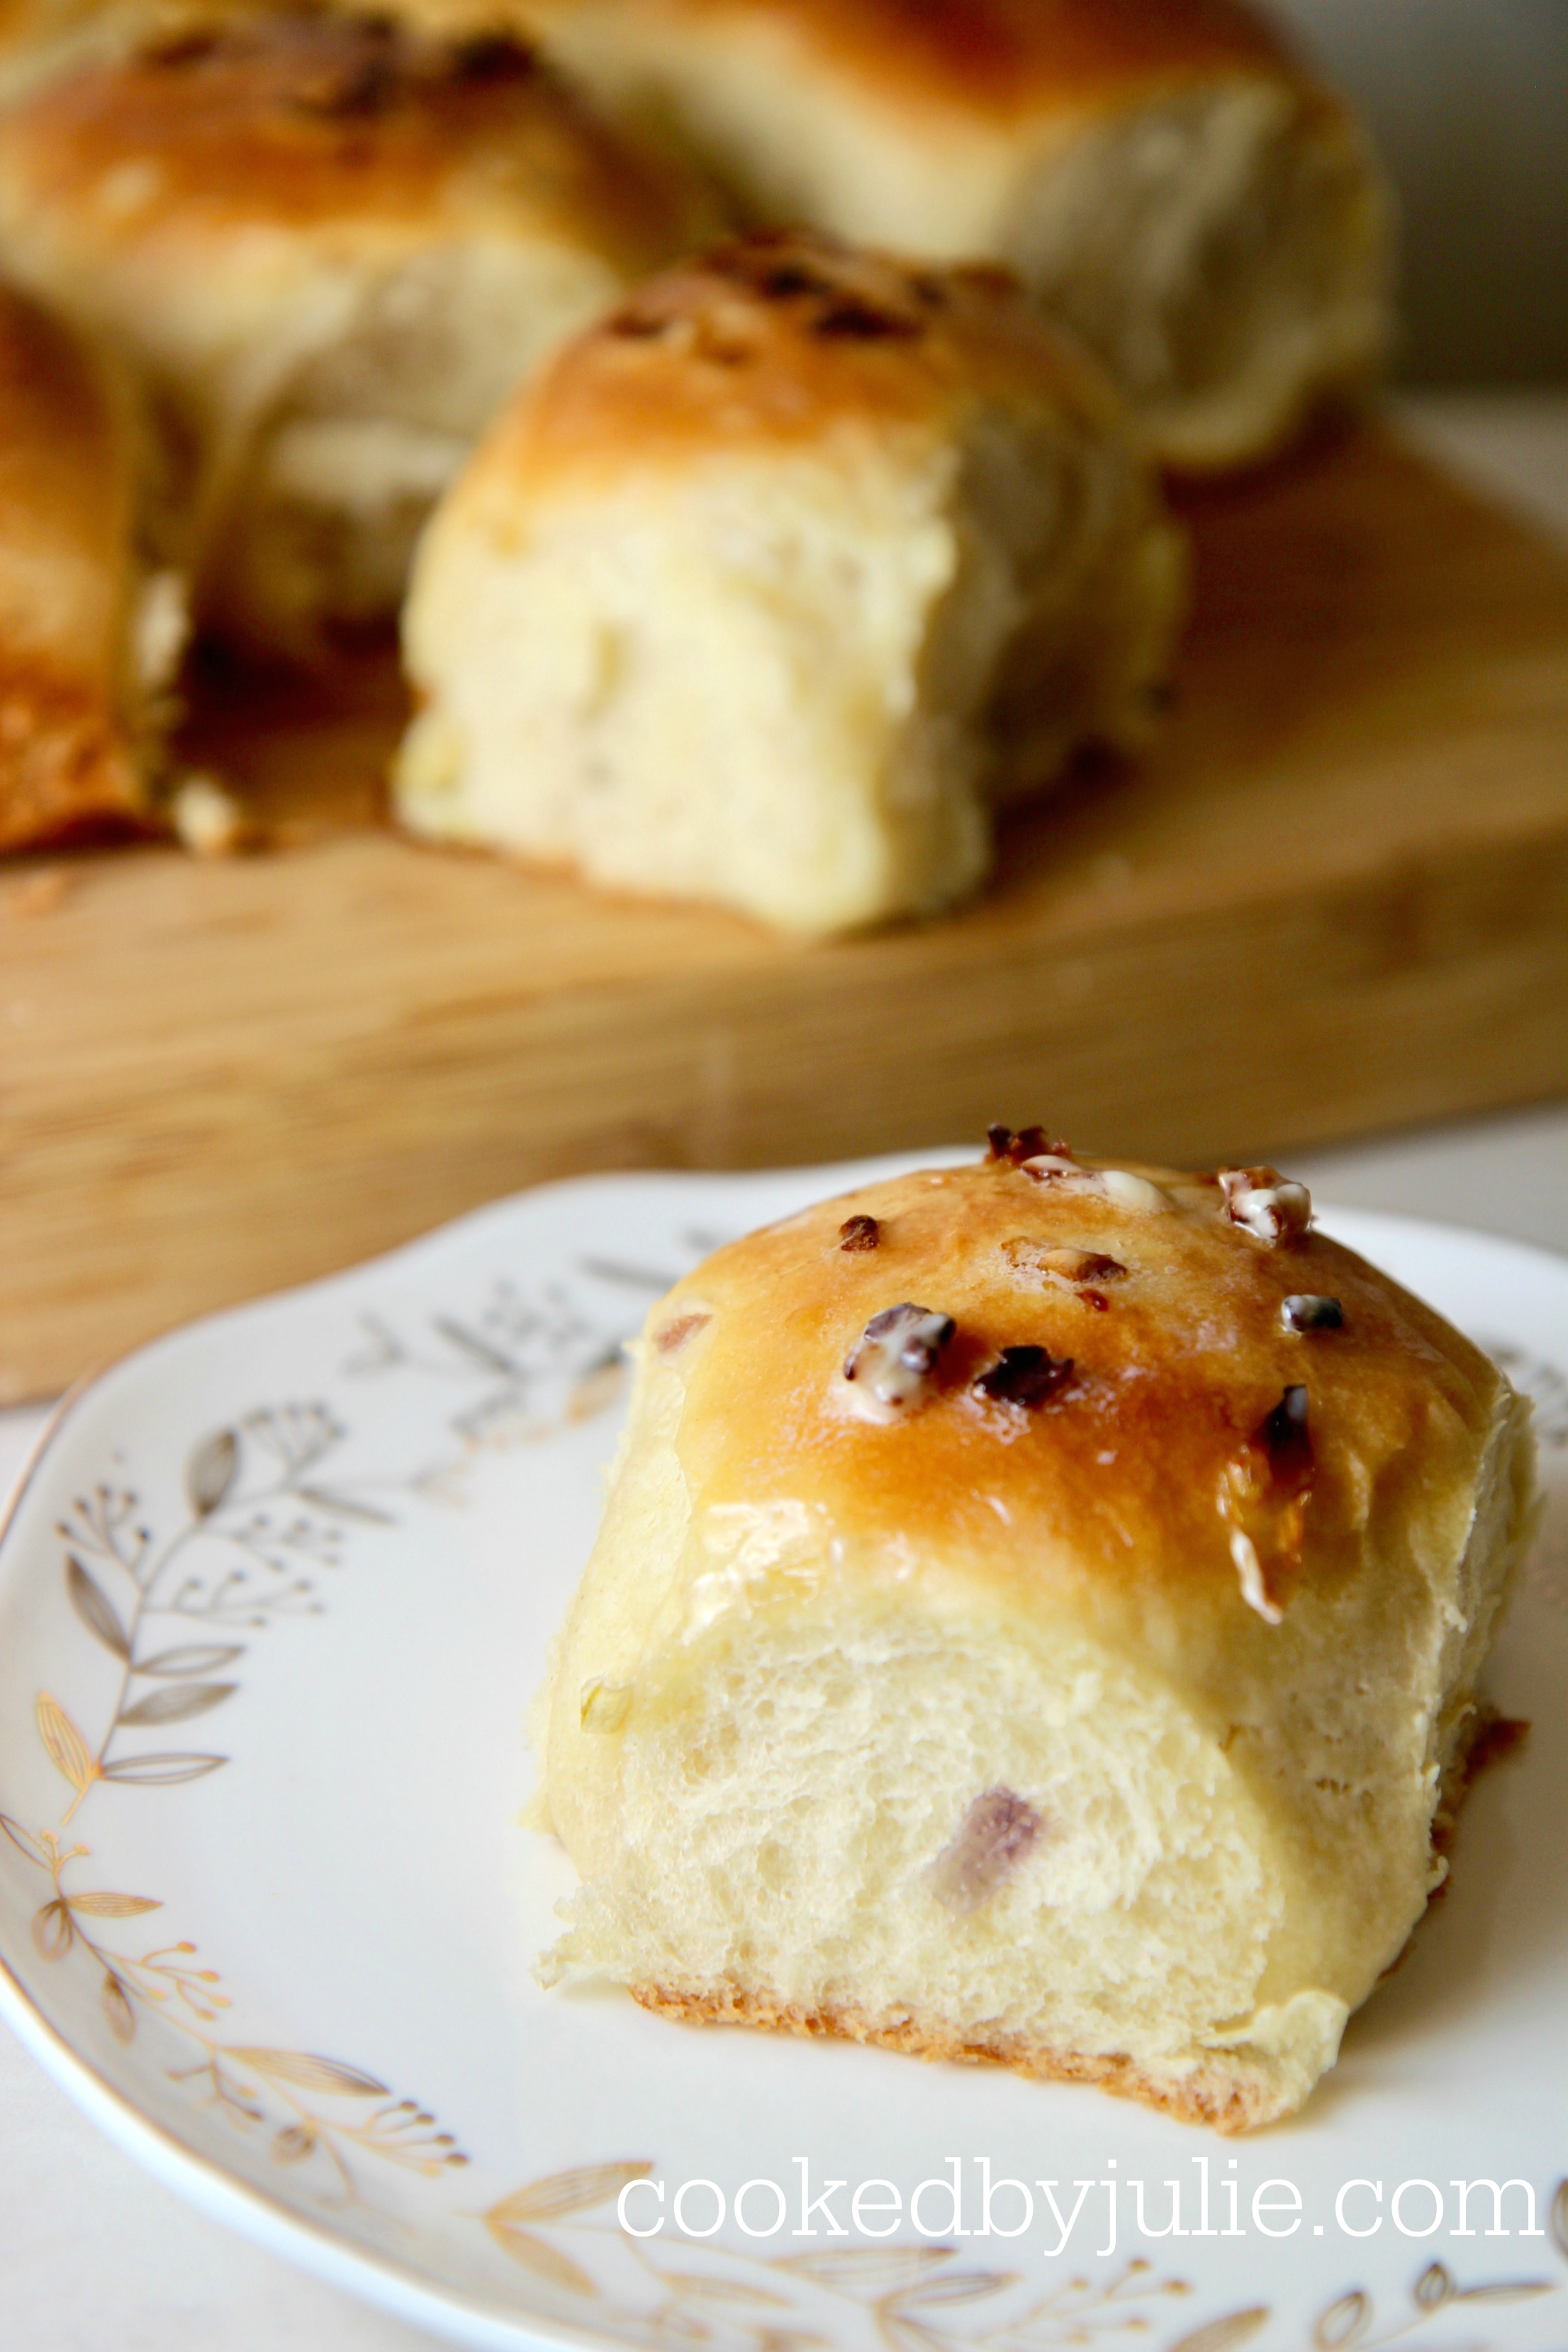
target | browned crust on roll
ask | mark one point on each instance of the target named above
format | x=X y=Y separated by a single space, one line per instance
x=774 y=339
x=303 y=120
x=65 y=771
x=68 y=765
x=1004 y=59
x=1113 y=1489
x=1210 y=2094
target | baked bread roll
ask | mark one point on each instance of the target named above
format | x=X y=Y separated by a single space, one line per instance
x=1038 y=1607
x=773 y=584
x=91 y=630
x=334 y=247
x=1159 y=172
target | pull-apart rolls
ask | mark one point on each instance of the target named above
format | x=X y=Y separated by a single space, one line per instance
x=332 y=247
x=1161 y=173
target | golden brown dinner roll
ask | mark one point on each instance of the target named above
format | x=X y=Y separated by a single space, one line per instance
x=91 y=631
x=1159 y=171
x=1037 y=1608
x=771 y=584
x=334 y=247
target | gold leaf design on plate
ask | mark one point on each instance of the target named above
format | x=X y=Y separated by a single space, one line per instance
x=210 y=1470
x=721 y=2290
x=177 y=1684
x=560 y=2193
x=469 y=1344
x=1434 y=2288
x=905 y=2334
x=112 y=1907
x=118 y=2010
x=25 y=1843
x=955 y=2287
x=1235 y=2327
x=536 y=2254
x=164 y=1770
x=351 y=1507
x=1343 y=2323
x=1346 y=2322
x=67 y=1750
x=1510 y=2291
x=53 y=1934
x=95 y=1609
x=196 y=1658
x=308 y=2072
x=554 y=2198
x=873 y=2270
x=177 y=1703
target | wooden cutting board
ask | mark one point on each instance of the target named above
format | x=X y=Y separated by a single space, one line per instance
x=1335 y=899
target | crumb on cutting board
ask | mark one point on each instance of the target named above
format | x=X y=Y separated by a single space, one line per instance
x=208 y=819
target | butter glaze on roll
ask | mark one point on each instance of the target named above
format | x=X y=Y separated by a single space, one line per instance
x=331 y=246
x=1087 y=1704
x=1161 y=173
x=771 y=585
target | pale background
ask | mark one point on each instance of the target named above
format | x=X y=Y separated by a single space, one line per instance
x=1469 y=100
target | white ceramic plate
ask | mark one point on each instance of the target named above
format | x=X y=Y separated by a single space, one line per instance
x=271 y=1603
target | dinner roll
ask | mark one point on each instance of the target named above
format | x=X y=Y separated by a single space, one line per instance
x=1037 y=1610
x=333 y=246
x=771 y=584
x=1159 y=171
x=90 y=629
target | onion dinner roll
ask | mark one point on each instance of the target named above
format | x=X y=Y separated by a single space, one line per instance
x=769 y=586
x=91 y=630
x=334 y=247
x=1036 y=1619
x=1159 y=171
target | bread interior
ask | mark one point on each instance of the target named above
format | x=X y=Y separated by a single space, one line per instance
x=1221 y=249
x=793 y=1804
x=766 y=677
x=770 y=1798
x=337 y=434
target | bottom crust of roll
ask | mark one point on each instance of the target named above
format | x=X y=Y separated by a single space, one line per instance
x=1212 y=2093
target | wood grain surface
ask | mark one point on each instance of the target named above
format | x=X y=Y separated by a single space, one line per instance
x=1335 y=899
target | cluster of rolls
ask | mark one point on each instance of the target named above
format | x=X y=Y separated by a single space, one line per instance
x=754 y=406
